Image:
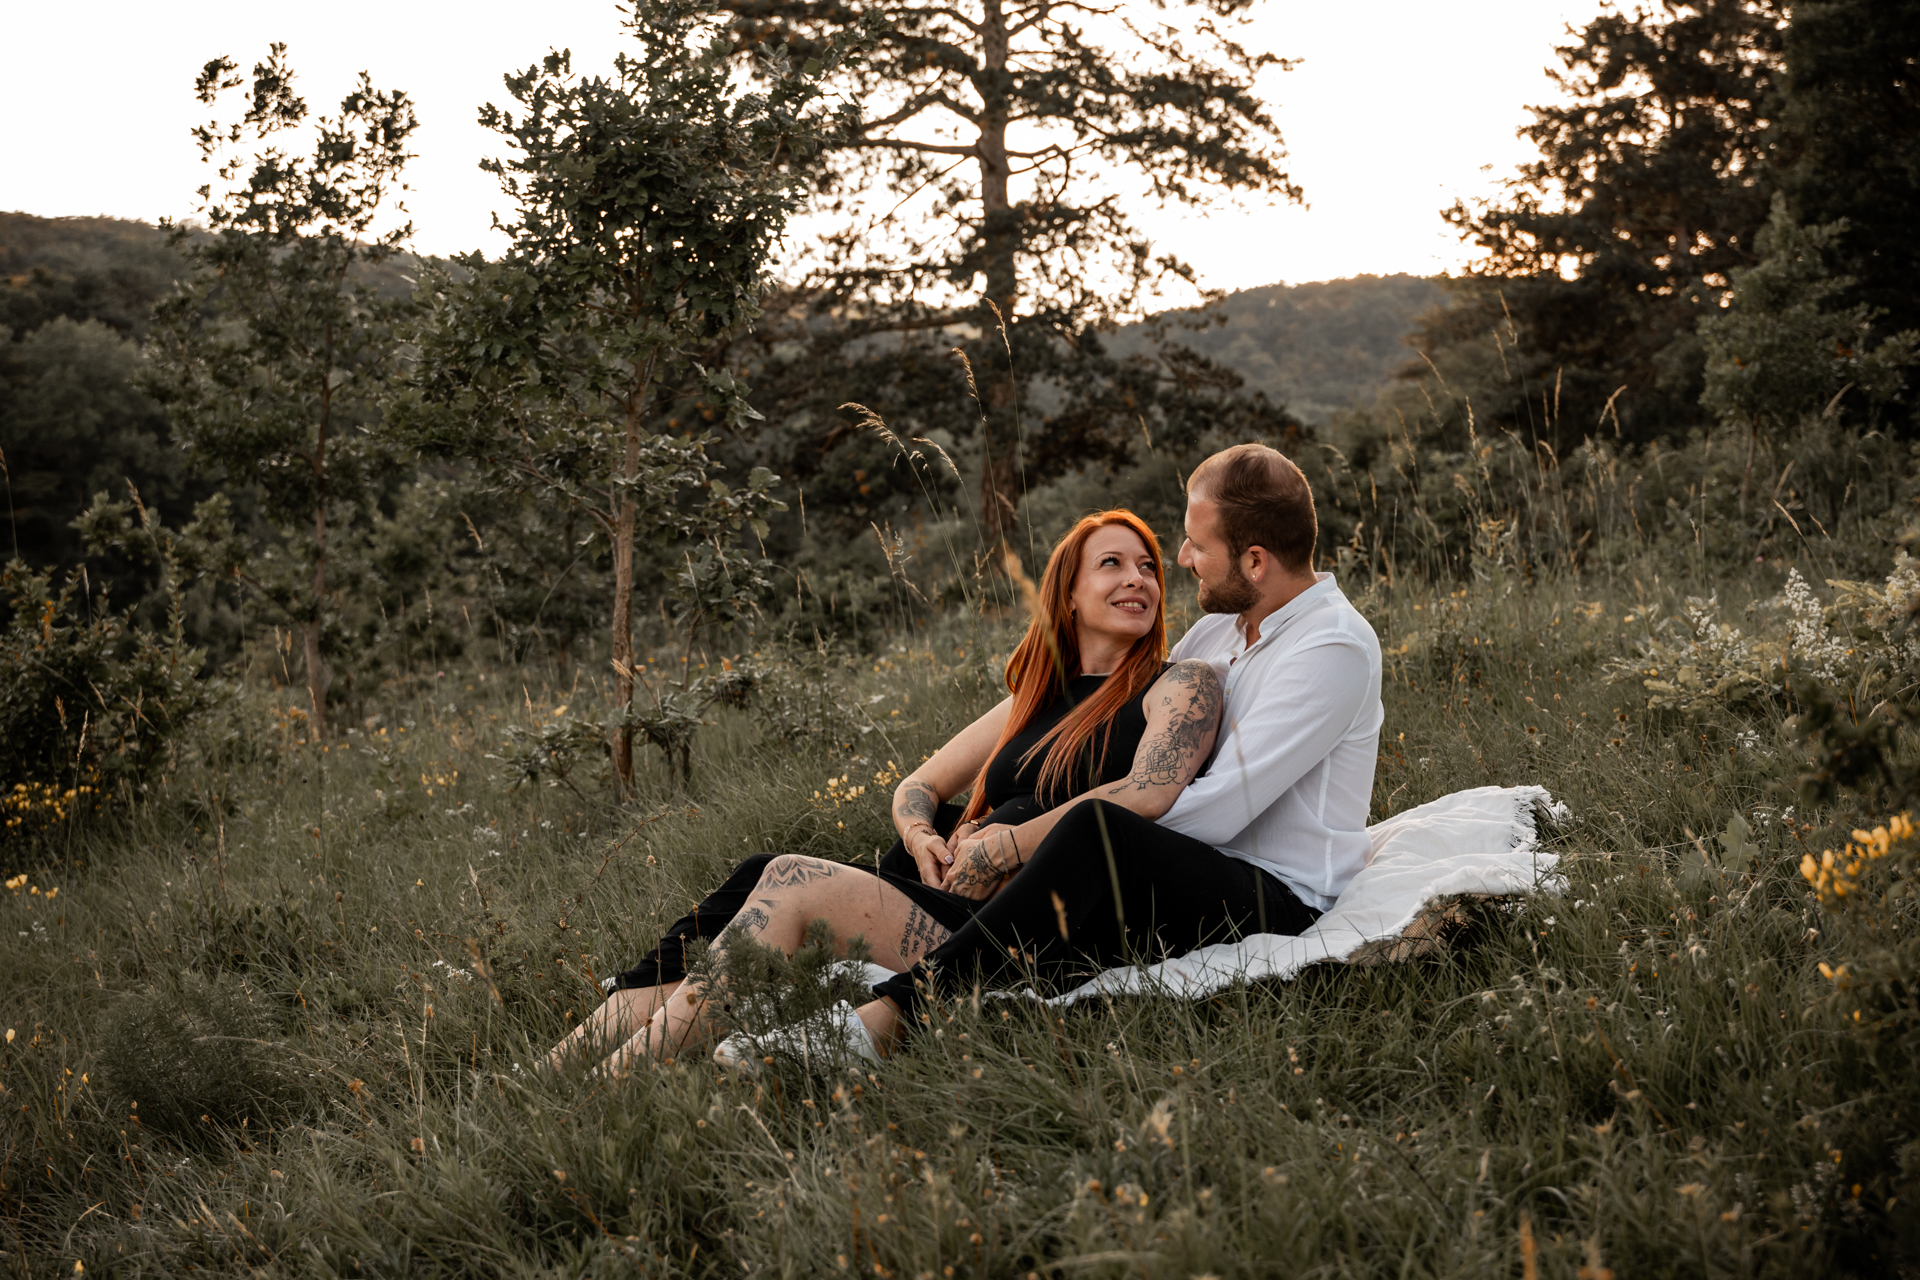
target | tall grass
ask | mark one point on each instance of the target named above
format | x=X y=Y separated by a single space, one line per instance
x=270 y=1023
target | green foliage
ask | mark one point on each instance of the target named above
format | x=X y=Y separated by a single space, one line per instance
x=1785 y=349
x=273 y=356
x=1867 y=893
x=1849 y=144
x=108 y=270
x=73 y=422
x=75 y=295
x=198 y=1059
x=757 y=988
x=1316 y=348
x=1696 y=660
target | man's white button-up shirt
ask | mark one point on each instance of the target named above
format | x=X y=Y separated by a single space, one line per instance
x=1292 y=773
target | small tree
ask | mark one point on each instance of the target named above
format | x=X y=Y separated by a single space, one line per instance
x=271 y=356
x=648 y=205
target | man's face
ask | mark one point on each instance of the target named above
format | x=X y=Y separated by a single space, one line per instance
x=1223 y=587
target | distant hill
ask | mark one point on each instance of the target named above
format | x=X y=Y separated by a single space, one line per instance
x=76 y=295
x=106 y=269
x=1316 y=348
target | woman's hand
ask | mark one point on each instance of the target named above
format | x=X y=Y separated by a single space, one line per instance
x=931 y=855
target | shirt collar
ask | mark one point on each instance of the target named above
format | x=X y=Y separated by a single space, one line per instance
x=1273 y=623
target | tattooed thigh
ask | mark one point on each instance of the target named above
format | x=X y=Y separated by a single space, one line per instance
x=921 y=934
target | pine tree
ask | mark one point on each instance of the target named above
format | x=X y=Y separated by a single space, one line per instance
x=993 y=132
x=1651 y=187
x=1850 y=143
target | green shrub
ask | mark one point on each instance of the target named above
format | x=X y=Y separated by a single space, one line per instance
x=89 y=701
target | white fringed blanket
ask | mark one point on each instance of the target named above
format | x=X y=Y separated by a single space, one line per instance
x=1483 y=841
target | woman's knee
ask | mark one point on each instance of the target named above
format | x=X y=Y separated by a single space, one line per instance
x=790 y=868
x=796 y=877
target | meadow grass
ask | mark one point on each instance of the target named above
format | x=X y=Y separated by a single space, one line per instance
x=270 y=1023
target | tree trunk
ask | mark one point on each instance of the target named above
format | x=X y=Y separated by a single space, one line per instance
x=623 y=522
x=999 y=479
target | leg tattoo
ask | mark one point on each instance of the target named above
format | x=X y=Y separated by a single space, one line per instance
x=922 y=934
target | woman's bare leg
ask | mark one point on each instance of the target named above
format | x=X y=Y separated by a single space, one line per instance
x=792 y=893
x=618 y=1017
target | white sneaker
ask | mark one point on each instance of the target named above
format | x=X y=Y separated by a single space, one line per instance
x=833 y=1038
x=865 y=972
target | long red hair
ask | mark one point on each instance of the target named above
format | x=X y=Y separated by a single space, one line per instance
x=1049 y=655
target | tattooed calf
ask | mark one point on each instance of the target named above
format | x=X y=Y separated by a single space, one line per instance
x=921 y=934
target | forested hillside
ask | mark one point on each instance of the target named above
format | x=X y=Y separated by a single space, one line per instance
x=76 y=295
x=1315 y=348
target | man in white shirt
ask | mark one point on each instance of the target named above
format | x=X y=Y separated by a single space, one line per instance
x=1292 y=774
x=1262 y=842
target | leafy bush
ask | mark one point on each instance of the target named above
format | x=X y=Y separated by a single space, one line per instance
x=758 y=988
x=1867 y=893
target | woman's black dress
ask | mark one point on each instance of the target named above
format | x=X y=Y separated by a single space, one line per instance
x=1012 y=798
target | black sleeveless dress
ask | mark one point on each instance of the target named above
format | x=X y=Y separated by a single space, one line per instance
x=1013 y=796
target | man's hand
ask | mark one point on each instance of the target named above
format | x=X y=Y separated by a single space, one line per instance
x=973 y=874
x=982 y=863
x=931 y=855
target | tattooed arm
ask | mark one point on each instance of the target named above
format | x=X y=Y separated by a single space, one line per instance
x=1183 y=718
x=950 y=771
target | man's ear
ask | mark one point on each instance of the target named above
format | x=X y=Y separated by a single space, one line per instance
x=1256 y=561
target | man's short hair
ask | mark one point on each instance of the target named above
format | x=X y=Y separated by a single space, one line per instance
x=1263 y=500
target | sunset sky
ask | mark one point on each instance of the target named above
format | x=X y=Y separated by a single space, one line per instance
x=1396 y=108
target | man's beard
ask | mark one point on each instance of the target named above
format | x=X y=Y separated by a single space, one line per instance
x=1236 y=595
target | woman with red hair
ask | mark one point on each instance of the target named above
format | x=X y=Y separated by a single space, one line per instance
x=1092 y=703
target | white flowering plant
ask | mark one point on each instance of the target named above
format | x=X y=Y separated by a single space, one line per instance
x=1697 y=660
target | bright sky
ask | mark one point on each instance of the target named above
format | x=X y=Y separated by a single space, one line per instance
x=1398 y=107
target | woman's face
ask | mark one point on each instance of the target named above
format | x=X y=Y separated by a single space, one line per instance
x=1117 y=591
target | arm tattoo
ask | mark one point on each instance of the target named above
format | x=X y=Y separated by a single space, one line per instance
x=921 y=934
x=917 y=802
x=1192 y=697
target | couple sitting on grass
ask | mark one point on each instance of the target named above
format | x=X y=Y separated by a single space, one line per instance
x=1091 y=837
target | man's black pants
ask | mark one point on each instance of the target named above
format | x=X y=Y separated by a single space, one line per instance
x=1106 y=887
